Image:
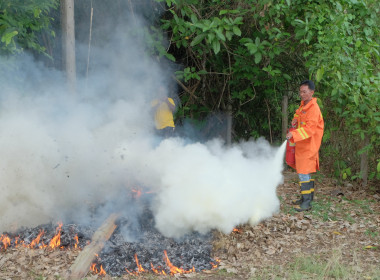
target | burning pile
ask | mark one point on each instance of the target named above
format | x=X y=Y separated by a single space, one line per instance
x=150 y=251
x=154 y=252
x=47 y=236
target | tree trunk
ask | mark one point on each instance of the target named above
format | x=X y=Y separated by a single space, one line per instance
x=68 y=43
x=285 y=101
x=364 y=162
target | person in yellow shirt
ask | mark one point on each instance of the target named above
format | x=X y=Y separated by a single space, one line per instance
x=163 y=116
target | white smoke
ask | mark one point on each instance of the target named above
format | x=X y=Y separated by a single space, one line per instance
x=63 y=155
x=209 y=186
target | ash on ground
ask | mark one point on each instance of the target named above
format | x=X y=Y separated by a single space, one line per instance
x=119 y=255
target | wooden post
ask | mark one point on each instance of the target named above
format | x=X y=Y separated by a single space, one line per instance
x=364 y=162
x=68 y=43
x=285 y=100
x=84 y=260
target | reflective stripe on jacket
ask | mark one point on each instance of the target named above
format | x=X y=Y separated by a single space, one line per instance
x=308 y=136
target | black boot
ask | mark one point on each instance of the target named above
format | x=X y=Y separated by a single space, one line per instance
x=312 y=189
x=299 y=201
x=306 y=197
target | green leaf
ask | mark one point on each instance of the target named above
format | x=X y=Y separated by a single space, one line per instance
x=258 y=57
x=377 y=129
x=220 y=35
x=194 y=18
x=170 y=57
x=257 y=41
x=356 y=99
x=319 y=75
x=339 y=75
x=236 y=30
x=216 y=46
x=358 y=44
x=229 y=35
x=7 y=38
x=198 y=39
x=378 y=167
x=252 y=48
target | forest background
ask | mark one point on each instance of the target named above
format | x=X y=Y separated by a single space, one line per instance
x=241 y=59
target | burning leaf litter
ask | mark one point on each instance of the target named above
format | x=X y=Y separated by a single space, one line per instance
x=149 y=252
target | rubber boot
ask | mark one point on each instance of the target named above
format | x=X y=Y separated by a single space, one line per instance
x=298 y=201
x=306 y=197
x=312 y=189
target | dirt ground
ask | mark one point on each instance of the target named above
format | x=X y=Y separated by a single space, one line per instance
x=343 y=226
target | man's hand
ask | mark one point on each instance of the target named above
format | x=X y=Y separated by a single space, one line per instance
x=289 y=135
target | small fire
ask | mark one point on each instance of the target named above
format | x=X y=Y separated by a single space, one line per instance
x=76 y=242
x=36 y=241
x=5 y=240
x=155 y=270
x=99 y=271
x=95 y=269
x=174 y=269
x=158 y=270
x=140 y=269
x=56 y=240
x=136 y=193
x=237 y=230
x=215 y=265
x=54 y=243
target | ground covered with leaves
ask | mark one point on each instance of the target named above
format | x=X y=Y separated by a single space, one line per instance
x=338 y=239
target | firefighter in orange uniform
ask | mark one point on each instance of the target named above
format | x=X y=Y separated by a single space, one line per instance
x=307 y=138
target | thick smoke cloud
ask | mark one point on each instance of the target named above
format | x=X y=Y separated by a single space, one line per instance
x=77 y=158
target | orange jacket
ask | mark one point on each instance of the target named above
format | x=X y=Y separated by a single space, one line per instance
x=308 y=136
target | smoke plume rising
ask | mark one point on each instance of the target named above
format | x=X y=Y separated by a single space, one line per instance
x=69 y=157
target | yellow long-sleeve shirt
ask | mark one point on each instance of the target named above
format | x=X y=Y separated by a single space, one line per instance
x=163 y=113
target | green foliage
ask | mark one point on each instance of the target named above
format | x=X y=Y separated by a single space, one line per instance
x=20 y=23
x=254 y=52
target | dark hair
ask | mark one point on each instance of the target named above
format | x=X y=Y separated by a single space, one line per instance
x=308 y=83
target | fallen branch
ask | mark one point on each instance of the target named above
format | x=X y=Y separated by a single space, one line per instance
x=84 y=260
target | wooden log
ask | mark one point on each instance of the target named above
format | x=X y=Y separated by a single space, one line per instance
x=84 y=260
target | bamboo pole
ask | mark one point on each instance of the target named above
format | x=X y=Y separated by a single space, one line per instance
x=89 y=43
x=84 y=260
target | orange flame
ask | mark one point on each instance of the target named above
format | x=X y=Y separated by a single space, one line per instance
x=155 y=270
x=237 y=230
x=102 y=271
x=215 y=265
x=94 y=269
x=136 y=193
x=174 y=269
x=5 y=240
x=99 y=271
x=56 y=240
x=36 y=240
x=139 y=267
x=76 y=242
